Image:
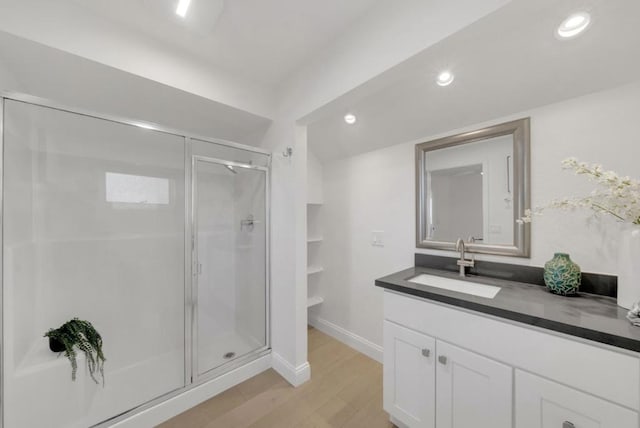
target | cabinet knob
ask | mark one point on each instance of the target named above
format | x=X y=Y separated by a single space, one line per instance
x=426 y=352
x=443 y=360
x=567 y=424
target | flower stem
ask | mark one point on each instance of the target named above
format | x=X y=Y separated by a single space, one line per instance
x=607 y=210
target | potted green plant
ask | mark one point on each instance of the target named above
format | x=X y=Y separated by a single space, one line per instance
x=82 y=335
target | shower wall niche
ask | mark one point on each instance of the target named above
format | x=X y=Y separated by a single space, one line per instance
x=97 y=221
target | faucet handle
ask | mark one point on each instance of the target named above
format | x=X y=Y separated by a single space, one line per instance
x=466 y=262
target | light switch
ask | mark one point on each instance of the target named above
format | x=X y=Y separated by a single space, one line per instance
x=377 y=238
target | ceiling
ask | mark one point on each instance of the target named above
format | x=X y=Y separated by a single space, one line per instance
x=505 y=63
x=81 y=83
x=264 y=41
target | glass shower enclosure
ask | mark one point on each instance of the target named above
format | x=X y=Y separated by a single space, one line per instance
x=159 y=239
x=229 y=211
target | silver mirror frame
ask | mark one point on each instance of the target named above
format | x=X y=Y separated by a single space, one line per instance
x=520 y=130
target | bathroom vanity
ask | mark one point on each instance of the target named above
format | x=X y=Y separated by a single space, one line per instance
x=496 y=349
x=525 y=358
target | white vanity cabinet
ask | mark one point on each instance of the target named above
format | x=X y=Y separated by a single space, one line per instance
x=471 y=390
x=541 y=403
x=446 y=367
x=422 y=375
x=409 y=376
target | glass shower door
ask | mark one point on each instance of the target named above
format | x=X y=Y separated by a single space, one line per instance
x=230 y=254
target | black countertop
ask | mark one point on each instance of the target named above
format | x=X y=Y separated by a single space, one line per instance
x=589 y=316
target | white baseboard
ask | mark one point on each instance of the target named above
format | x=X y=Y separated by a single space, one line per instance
x=358 y=343
x=296 y=376
x=192 y=397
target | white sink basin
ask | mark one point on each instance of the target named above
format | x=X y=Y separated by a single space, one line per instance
x=473 y=288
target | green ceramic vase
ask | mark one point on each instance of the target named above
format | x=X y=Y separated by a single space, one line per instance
x=561 y=275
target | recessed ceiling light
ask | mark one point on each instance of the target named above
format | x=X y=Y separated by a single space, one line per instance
x=350 y=119
x=445 y=78
x=574 y=25
x=183 y=6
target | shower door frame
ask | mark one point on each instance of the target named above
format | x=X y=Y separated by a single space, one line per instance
x=190 y=381
x=241 y=360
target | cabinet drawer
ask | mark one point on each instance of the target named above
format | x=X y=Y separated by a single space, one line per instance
x=602 y=372
x=541 y=403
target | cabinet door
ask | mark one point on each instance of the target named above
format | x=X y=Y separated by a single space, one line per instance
x=409 y=376
x=472 y=391
x=541 y=403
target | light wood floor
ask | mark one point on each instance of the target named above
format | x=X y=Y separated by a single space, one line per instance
x=345 y=390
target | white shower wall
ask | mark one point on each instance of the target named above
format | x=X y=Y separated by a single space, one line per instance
x=216 y=264
x=250 y=263
x=216 y=240
x=69 y=252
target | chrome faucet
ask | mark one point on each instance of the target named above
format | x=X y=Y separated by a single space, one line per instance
x=463 y=262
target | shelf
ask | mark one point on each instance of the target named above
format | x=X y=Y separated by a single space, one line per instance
x=316 y=239
x=314 y=204
x=314 y=269
x=313 y=301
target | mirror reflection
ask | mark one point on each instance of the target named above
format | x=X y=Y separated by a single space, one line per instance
x=473 y=186
x=470 y=192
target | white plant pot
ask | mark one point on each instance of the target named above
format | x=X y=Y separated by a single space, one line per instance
x=629 y=267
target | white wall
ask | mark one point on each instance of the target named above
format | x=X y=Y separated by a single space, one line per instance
x=375 y=191
x=314 y=179
x=288 y=250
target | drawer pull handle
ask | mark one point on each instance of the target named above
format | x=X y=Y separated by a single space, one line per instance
x=443 y=360
x=567 y=424
x=426 y=353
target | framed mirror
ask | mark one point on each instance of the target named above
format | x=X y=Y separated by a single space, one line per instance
x=474 y=186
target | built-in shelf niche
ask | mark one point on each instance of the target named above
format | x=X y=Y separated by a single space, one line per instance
x=314 y=300
x=314 y=262
x=315 y=234
x=312 y=270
